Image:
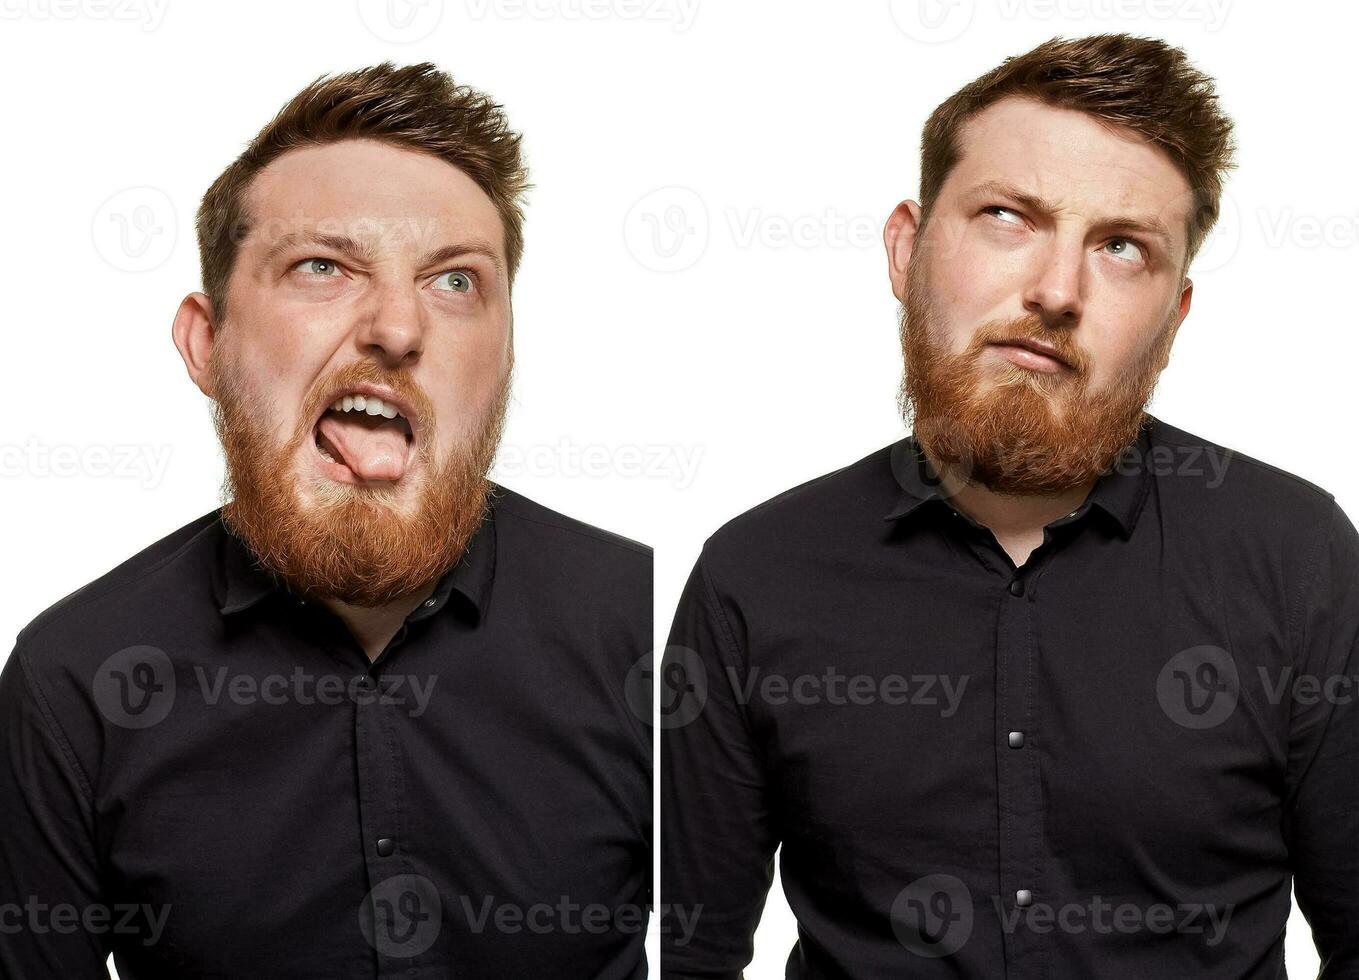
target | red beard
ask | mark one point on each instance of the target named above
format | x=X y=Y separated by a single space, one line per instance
x=350 y=543
x=1016 y=431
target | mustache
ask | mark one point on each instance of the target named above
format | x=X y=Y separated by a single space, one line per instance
x=1031 y=327
x=367 y=372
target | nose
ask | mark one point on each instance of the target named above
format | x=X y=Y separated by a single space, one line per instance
x=393 y=328
x=1054 y=290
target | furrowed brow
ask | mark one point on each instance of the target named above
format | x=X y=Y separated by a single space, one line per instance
x=1151 y=227
x=336 y=243
x=451 y=253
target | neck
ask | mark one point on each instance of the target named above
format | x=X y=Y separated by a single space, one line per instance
x=1011 y=513
x=374 y=626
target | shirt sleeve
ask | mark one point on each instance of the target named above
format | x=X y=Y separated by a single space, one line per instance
x=717 y=833
x=1322 y=806
x=53 y=920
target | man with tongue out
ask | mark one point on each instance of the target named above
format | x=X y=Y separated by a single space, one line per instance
x=375 y=716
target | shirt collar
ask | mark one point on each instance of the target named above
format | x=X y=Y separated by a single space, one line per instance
x=1120 y=492
x=241 y=583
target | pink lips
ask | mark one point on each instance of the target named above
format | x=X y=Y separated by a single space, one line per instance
x=1031 y=355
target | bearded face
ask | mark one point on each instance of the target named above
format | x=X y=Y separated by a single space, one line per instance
x=349 y=538
x=360 y=370
x=1012 y=423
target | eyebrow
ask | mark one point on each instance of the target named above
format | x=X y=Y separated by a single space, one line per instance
x=1153 y=227
x=364 y=252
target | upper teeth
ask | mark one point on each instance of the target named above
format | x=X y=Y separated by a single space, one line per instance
x=370 y=404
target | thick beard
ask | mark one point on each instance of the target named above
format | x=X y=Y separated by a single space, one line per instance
x=1019 y=432
x=350 y=543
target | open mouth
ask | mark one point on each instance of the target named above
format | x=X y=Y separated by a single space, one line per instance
x=364 y=438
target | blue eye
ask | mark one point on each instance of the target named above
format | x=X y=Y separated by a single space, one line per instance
x=459 y=281
x=321 y=267
x=1128 y=243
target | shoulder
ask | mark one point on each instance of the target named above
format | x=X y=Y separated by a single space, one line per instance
x=836 y=505
x=1233 y=486
x=518 y=515
x=553 y=556
x=165 y=571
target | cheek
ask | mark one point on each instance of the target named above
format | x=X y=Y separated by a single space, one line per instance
x=273 y=375
x=470 y=378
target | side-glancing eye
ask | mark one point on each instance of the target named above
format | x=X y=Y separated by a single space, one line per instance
x=1014 y=220
x=320 y=267
x=458 y=281
x=1138 y=255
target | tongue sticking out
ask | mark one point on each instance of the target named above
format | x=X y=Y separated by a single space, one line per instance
x=373 y=447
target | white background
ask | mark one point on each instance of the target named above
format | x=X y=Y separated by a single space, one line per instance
x=702 y=316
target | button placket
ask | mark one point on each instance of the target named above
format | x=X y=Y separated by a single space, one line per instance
x=1020 y=818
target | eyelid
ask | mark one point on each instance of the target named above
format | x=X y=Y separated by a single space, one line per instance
x=1141 y=245
x=1004 y=207
x=317 y=258
x=471 y=274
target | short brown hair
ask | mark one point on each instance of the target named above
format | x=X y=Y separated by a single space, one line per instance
x=1139 y=83
x=415 y=106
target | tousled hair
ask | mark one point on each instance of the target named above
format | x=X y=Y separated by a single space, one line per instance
x=415 y=107
x=1141 y=83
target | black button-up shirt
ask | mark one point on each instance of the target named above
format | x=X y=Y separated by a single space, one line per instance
x=1109 y=762
x=207 y=777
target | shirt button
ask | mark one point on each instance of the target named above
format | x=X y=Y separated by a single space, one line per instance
x=364 y=682
x=1023 y=898
x=386 y=847
x=1017 y=586
x=1016 y=740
